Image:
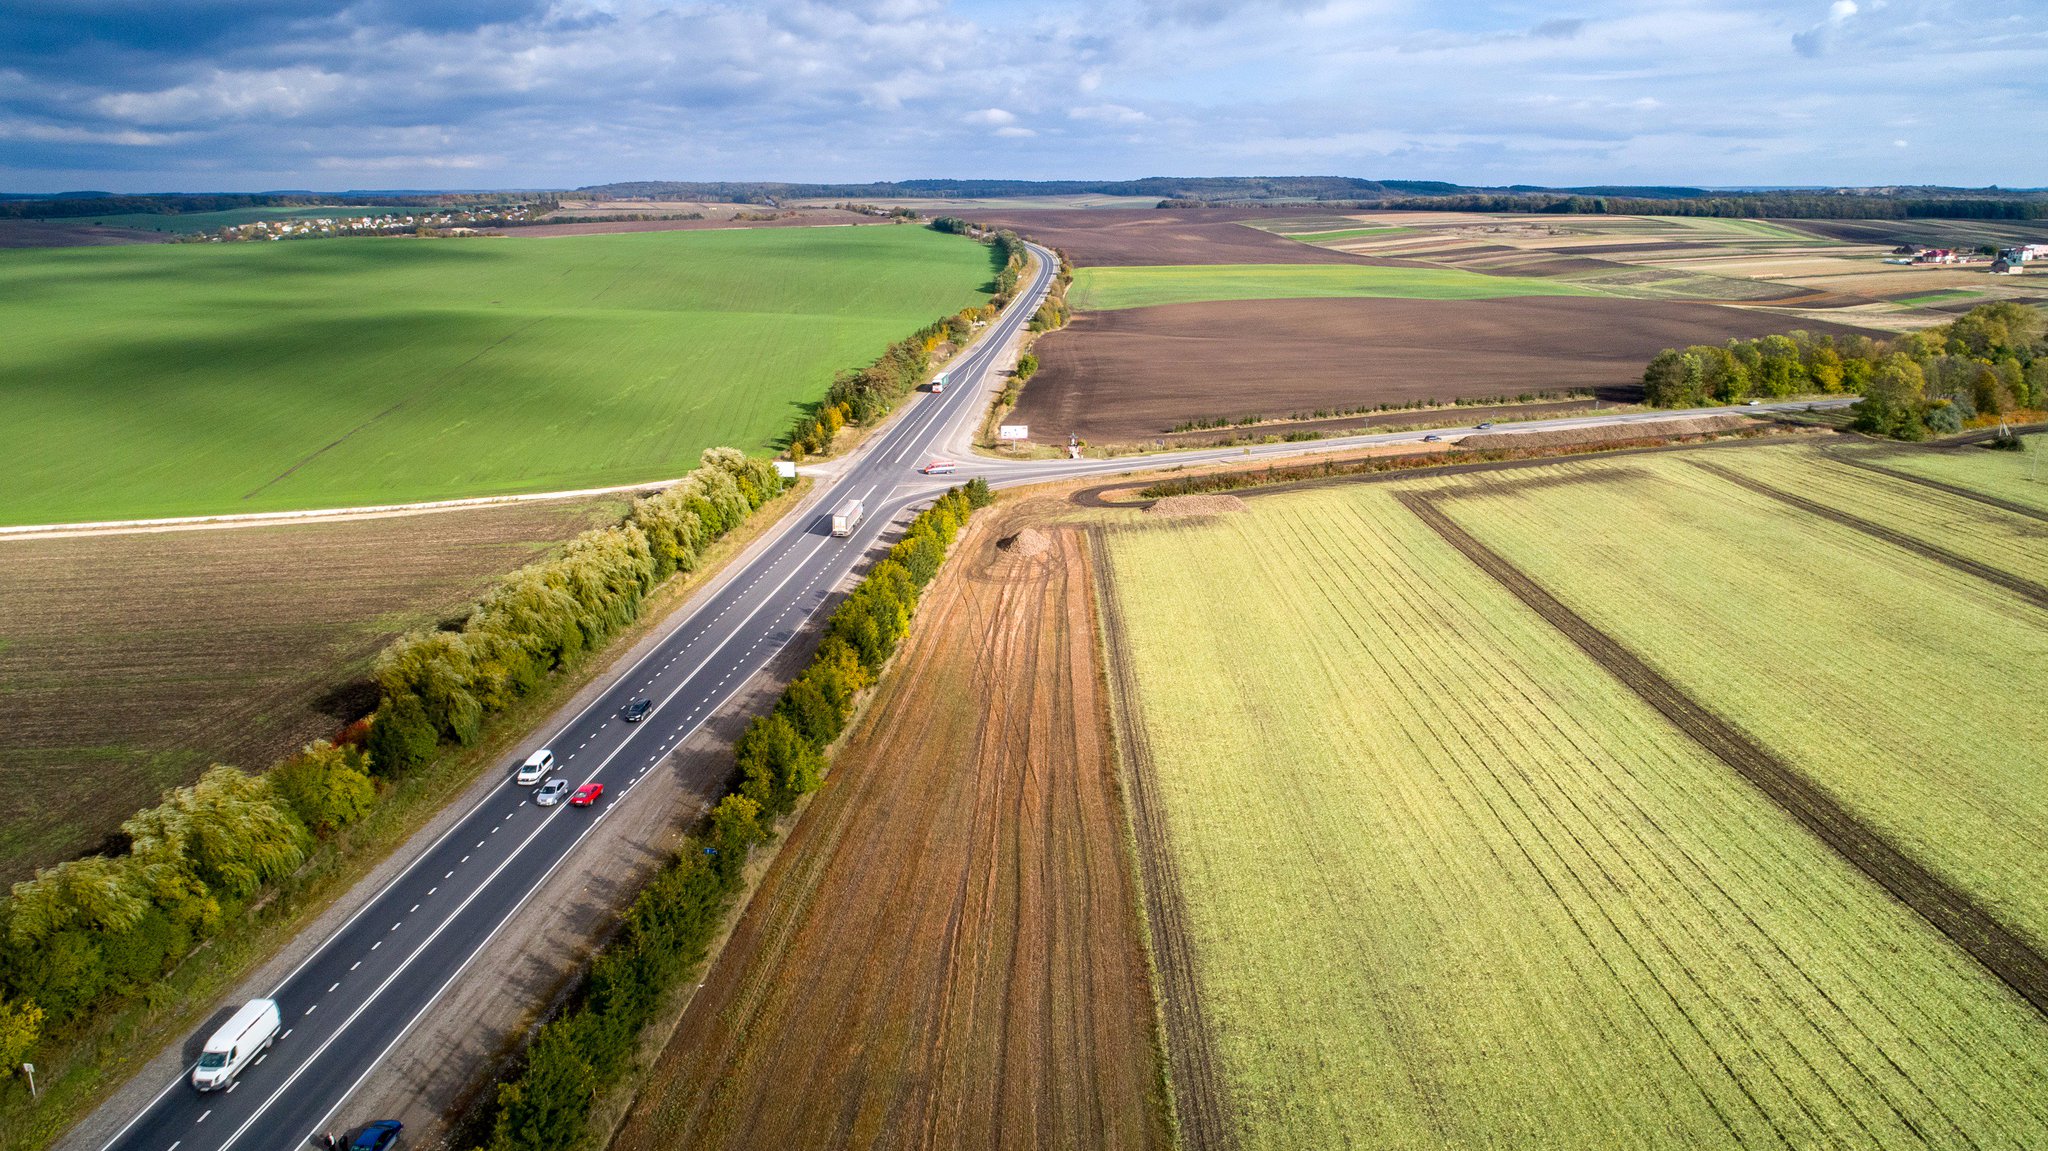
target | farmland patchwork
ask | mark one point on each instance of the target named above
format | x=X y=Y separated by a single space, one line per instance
x=1446 y=884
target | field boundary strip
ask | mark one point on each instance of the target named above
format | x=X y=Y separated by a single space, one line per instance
x=2026 y=589
x=1201 y=1092
x=1956 y=490
x=1981 y=935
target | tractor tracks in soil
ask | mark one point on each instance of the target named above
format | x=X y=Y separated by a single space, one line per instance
x=1200 y=1090
x=2026 y=589
x=2001 y=950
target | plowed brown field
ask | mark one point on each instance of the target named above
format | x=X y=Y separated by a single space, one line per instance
x=945 y=953
x=1134 y=373
x=1095 y=239
x=130 y=662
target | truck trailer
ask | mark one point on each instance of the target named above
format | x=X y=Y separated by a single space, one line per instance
x=847 y=518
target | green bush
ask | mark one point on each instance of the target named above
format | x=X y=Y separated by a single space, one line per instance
x=328 y=787
x=1991 y=360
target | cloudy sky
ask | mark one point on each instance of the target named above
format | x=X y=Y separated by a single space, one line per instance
x=147 y=95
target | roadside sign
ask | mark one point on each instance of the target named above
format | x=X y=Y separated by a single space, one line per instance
x=786 y=469
x=1014 y=432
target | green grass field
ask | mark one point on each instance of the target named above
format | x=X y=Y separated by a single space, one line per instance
x=204 y=379
x=1346 y=234
x=1450 y=885
x=1106 y=289
x=209 y=221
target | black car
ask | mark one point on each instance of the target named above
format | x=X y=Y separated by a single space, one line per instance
x=1483 y=426
x=638 y=709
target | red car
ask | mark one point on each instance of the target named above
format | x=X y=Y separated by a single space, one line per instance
x=586 y=795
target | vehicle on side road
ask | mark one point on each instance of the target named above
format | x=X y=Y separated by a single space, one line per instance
x=1483 y=425
x=1432 y=439
x=586 y=795
x=638 y=709
x=247 y=1034
x=535 y=768
x=848 y=517
x=551 y=792
x=939 y=468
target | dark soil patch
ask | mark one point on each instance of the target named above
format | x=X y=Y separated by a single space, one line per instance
x=2028 y=590
x=1130 y=375
x=72 y=234
x=1200 y=1091
x=1128 y=238
x=2002 y=951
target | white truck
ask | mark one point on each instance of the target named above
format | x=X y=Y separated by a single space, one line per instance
x=939 y=383
x=847 y=518
x=248 y=1033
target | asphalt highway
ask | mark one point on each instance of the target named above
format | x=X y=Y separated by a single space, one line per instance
x=353 y=999
x=356 y=996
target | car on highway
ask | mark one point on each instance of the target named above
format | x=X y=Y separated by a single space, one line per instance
x=379 y=1136
x=1432 y=439
x=535 y=768
x=1483 y=425
x=638 y=709
x=551 y=792
x=586 y=795
x=938 y=468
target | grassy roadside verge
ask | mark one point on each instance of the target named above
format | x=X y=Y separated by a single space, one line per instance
x=78 y=1076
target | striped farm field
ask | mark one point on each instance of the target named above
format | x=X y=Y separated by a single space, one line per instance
x=1111 y=288
x=2018 y=477
x=1447 y=883
x=1896 y=682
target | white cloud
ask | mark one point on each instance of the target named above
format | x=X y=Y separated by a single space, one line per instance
x=1107 y=114
x=1012 y=132
x=991 y=116
x=1818 y=39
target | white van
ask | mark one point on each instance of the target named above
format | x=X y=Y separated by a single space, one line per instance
x=247 y=1034
x=536 y=768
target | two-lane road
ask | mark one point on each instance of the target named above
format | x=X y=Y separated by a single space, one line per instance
x=363 y=988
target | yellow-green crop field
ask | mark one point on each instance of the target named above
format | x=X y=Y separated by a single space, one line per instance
x=1449 y=883
x=2020 y=477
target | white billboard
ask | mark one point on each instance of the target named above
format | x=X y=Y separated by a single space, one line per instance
x=1014 y=432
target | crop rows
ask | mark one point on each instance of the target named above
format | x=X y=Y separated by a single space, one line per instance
x=1981 y=532
x=1448 y=886
x=1896 y=683
x=2015 y=476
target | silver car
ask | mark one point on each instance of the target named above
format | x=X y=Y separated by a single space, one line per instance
x=551 y=792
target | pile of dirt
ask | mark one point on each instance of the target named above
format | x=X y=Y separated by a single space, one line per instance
x=1196 y=505
x=1026 y=543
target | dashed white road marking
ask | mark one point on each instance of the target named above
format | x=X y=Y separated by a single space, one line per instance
x=330 y=990
x=203 y=1115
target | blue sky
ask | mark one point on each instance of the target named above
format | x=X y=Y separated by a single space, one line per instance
x=148 y=95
